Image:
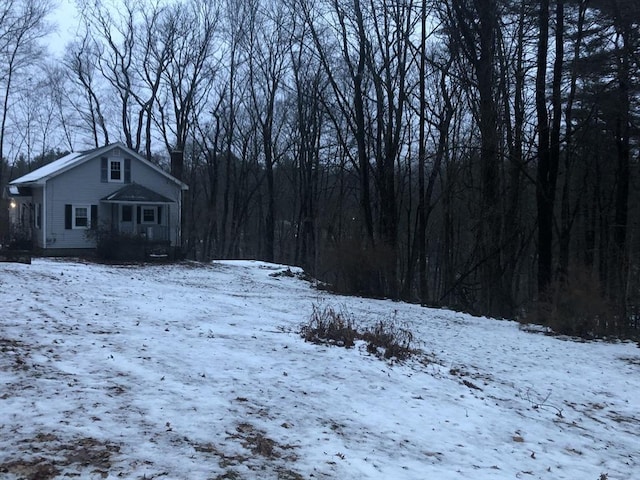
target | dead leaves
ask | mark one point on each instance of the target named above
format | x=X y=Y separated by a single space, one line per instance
x=81 y=455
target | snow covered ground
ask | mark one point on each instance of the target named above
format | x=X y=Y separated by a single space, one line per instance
x=194 y=371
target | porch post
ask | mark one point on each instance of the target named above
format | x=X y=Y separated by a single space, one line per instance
x=43 y=215
x=169 y=222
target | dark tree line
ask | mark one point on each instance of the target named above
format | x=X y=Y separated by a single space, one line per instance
x=477 y=154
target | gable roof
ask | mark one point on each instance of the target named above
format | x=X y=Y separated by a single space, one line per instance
x=50 y=169
x=40 y=175
x=136 y=193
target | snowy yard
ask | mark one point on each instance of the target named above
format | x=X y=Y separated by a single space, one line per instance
x=194 y=371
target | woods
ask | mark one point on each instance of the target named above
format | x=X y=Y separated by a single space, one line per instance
x=476 y=154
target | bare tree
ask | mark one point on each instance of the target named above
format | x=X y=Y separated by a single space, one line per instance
x=34 y=115
x=569 y=211
x=309 y=86
x=152 y=60
x=364 y=49
x=56 y=78
x=548 y=139
x=347 y=83
x=189 y=33
x=474 y=27
x=267 y=44
x=80 y=62
x=113 y=45
x=22 y=25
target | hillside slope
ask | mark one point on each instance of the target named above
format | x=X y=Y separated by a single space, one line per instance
x=194 y=371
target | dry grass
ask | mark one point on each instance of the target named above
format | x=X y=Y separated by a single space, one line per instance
x=386 y=339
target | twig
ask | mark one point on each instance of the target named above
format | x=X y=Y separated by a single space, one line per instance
x=543 y=404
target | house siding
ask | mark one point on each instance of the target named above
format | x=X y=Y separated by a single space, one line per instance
x=83 y=185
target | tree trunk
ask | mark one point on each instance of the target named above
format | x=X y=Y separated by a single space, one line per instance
x=490 y=230
x=566 y=215
x=422 y=153
x=620 y=266
x=544 y=193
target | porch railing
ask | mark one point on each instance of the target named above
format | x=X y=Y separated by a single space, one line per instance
x=152 y=233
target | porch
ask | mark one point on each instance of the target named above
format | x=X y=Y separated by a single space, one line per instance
x=137 y=223
x=137 y=212
x=24 y=217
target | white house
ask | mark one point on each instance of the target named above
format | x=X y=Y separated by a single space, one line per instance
x=111 y=189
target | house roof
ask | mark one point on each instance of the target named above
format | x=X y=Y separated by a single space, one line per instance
x=50 y=169
x=136 y=193
x=42 y=174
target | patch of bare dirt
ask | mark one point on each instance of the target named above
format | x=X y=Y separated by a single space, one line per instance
x=14 y=354
x=260 y=446
x=35 y=469
x=51 y=457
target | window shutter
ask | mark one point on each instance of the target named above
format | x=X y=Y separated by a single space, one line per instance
x=127 y=170
x=159 y=215
x=138 y=215
x=94 y=217
x=103 y=170
x=67 y=216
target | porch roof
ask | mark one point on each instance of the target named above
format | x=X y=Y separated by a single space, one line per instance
x=15 y=191
x=136 y=193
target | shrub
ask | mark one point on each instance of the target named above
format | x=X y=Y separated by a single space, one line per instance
x=20 y=243
x=113 y=245
x=20 y=239
x=390 y=340
x=576 y=307
x=329 y=326
x=387 y=339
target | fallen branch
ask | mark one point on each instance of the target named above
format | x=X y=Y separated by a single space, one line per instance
x=544 y=403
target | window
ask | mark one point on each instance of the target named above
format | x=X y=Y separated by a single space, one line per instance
x=81 y=217
x=115 y=170
x=116 y=173
x=149 y=214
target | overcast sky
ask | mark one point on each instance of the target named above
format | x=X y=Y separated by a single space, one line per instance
x=65 y=19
